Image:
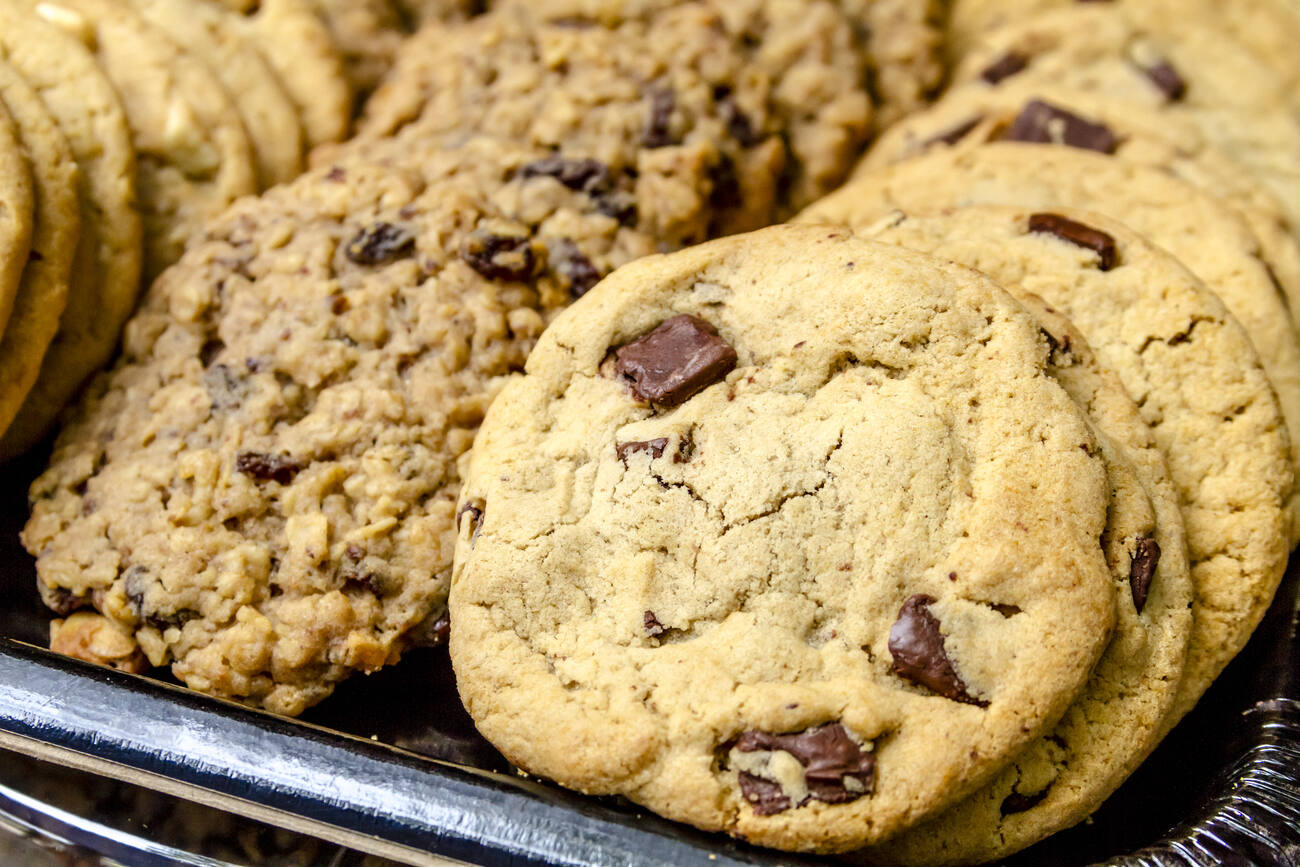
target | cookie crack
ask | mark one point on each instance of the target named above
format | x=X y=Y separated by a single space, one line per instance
x=1175 y=339
x=781 y=503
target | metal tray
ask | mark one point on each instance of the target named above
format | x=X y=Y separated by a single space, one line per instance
x=392 y=765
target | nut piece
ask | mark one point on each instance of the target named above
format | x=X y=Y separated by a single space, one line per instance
x=94 y=638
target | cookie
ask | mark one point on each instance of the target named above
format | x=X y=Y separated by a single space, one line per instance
x=1268 y=28
x=1190 y=367
x=102 y=286
x=194 y=155
x=212 y=34
x=37 y=235
x=1191 y=73
x=262 y=491
x=16 y=203
x=1011 y=110
x=299 y=47
x=1212 y=241
x=902 y=40
x=786 y=521
x=719 y=110
x=1125 y=708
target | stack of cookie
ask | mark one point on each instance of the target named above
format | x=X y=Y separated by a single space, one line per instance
x=125 y=127
x=813 y=535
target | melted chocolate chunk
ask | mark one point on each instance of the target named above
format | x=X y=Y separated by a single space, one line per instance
x=1004 y=67
x=379 y=244
x=1018 y=803
x=658 y=128
x=655 y=447
x=1078 y=234
x=1166 y=78
x=474 y=508
x=836 y=769
x=763 y=796
x=583 y=175
x=954 y=135
x=652 y=625
x=267 y=468
x=916 y=643
x=1040 y=122
x=500 y=257
x=676 y=361
x=569 y=262
x=1142 y=568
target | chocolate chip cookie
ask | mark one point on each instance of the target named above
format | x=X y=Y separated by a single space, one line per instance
x=1125 y=708
x=727 y=121
x=262 y=491
x=1208 y=237
x=789 y=535
x=1189 y=73
x=1190 y=367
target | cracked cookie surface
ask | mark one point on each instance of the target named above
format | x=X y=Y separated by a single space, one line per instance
x=1209 y=238
x=774 y=538
x=1190 y=367
x=1121 y=714
x=262 y=490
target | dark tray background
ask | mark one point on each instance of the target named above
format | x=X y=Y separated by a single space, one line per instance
x=413 y=707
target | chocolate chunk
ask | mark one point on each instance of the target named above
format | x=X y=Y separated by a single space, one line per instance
x=836 y=768
x=1142 y=568
x=569 y=262
x=379 y=244
x=267 y=468
x=655 y=447
x=583 y=175
x=337 y=174
x=1004 y=67
x=225 y=387
x=764 y=796
x=954 y=135
x=1043 y=123
x=500 y=257
x=676 y=361
x=1166 y=78
x=916 y=644
x=1018 y=803
x=652 y=625
x=1079 y=234
x=474 y=508
x=658 y=131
